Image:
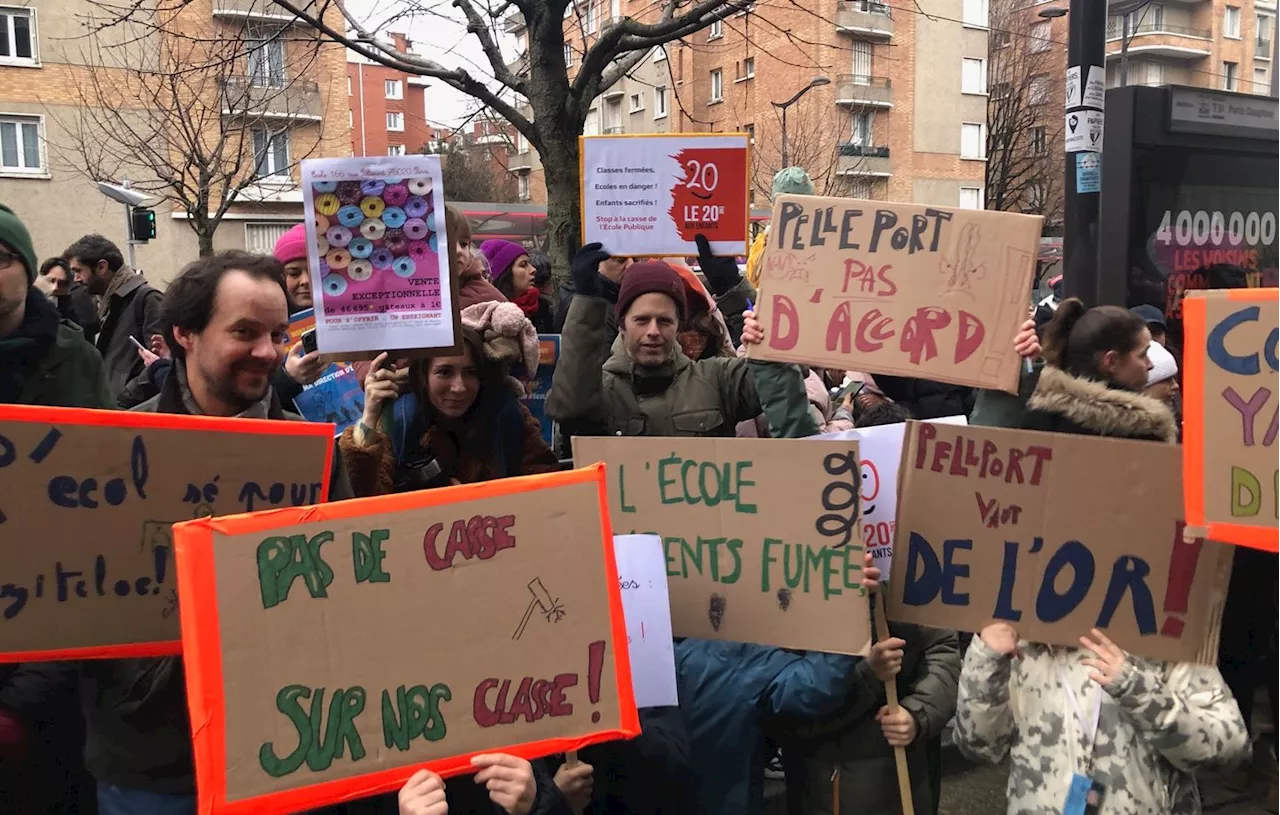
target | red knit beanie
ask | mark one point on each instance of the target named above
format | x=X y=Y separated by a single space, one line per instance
x=651 y=277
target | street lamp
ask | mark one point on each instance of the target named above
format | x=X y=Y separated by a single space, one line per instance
x=813 y=83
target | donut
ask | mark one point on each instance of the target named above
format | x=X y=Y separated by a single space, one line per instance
x=395 y=195
x=373 y=229
x=334 y=285
x=382 y=258
x=338 y=258
x=360 y=270
x=415 y=207
x=350 y=216
x=419 y=250
x=431 y=221
x=372 y=206
x=434 y=244
x=360 y=248
x=322 y=224
x=327 y=204
x=339 y=236
x=349 y=192
x=394 y=217
x=322 y=244
x=395 y=241
x=392 y=179
x=415 y=229
x=324 y=186
x=419 y=186
x=324 y=268
x=373 y=187
x=404 y=267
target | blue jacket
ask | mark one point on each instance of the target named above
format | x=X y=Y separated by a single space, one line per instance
x=725 y=690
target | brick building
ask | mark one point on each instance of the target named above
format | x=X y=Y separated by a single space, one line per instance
x=47 y=68
x=386 y=108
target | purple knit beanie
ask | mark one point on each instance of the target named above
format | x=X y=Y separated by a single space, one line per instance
x=501 y=254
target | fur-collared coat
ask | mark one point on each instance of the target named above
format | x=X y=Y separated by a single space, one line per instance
x=1063 y=403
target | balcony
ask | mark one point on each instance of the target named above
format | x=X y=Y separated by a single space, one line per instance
x=860 y=160
x=520 y=162
x=864 y=17
x=864 y=91
x=1262 y=49
x=1159 y=39
x=514 y=24
x=296 y=99
x=616 y=130
x=520 y=65
x=253 y=11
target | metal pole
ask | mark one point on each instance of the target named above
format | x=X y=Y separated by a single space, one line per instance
x=1124 y=60
x=128 y=228
x=1275 y=55
x=785 y=165
x=1086 y=54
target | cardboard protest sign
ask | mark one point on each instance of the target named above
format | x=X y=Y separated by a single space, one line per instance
x=1230 y=409
x=338 y=395
x=760 y=535
x=332 y=652
x=649 y=195
x=642 y=579
x=1055 y=534
x=879 y=453
x=921 y=291
x=87 y=499
x=379 y=258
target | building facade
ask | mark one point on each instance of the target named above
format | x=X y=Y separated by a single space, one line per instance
x=277 y=101
x=386 y=108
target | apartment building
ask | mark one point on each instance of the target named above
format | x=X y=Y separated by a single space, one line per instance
x=48 y=73
x=1223 y=44
x=386 y=108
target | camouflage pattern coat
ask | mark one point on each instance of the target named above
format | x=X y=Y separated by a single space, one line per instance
x=1158 y=723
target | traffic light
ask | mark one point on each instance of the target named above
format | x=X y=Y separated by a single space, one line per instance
x=144 y=224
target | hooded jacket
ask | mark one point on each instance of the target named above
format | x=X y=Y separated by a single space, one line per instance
x=1159 y=721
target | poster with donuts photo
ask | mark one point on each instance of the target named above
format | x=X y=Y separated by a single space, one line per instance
x=379 y=256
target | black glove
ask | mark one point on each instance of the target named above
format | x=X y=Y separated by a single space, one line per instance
x=585 y=269
x=721 y=272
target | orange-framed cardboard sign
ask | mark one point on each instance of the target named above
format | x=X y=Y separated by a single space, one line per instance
x=1229 y=402
x=87 y=498
x=1054 y=534
x=903 y=289
x=331 y=652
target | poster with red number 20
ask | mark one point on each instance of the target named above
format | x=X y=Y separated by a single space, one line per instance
x=648 y=196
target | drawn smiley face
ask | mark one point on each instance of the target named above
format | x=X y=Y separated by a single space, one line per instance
x=870 y=486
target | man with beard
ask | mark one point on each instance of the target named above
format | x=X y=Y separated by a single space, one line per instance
x=225 y=319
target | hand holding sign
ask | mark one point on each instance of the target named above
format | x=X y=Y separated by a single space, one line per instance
x=886 y=655
x=898 y=725
x=1108 y=660
x=423 y=794
x=1001 y=638
x=509 y=780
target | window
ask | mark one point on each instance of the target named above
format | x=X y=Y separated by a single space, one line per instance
x=351 y=118
x=395 y=120
x=17 y=36
x=1035 y=196
x=394 y=89
x=637 y=102
x=522 y=144
x=748 y=68
x=716 y=31
x=270 y=152
x=266 y=59
x=1264 y=37
x=1003 y=39
x=613 y=115
x=568 y=55
x=975 y=13
x=20 y=144
x=395 y=149
x=660 y=101
x=717 y=85
x=750 y=130
x=523 y=181
x=348 y=86
x=1041 y=36
x=999 y=91
x=970 y=198
x=973 y=141
x=1260 y=84
x=590 y=20
x=1039 y=141
x=860 y=188
x=1154 y=73
x=1230 y=76
x=1231 y=22
x=861 y=62
x=861 y=131
x=261 y=238
x=973 y=75
x=591 y=127
x=1038 y=90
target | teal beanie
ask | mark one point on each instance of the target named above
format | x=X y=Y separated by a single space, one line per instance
x=14 y=233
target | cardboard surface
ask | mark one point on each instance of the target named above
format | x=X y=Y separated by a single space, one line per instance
x=87 y=498
x=1230 y=399
x=930 y=292
x=760 y=535
x=1055 y=534
x=489 y=614
x=642 y=579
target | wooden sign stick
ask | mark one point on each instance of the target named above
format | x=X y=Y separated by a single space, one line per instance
x=891 y=696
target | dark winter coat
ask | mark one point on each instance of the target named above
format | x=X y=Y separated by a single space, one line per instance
x=70 y=372
x=139 y=730
x=134 y=311
x=925 y=398
x=992 y=408
x=1063 y=403
x=78 y=307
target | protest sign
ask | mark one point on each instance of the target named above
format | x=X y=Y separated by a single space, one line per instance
x=1055 y=534
x=930 y=292
x=642 y=579
x=649 y=195
x=535 y=398
x=879 y=453
x=380 y=263
x=760 y=535
x=1230 y=415
x=87 y=498
x=332 y=652
x=338 y=395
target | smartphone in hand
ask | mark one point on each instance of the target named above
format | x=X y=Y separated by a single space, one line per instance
x=309 y=341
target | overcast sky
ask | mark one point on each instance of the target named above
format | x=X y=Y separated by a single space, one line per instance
x=438 y=33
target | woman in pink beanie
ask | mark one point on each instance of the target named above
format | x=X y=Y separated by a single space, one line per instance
x=513 y=276
x=291 y=250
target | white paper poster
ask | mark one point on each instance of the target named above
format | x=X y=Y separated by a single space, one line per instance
x=880 y=453
x=1084 y=131
x=1073 y=86
x=1095 y=90
x=379 y=257
x=648 y=196
x=642 y=576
